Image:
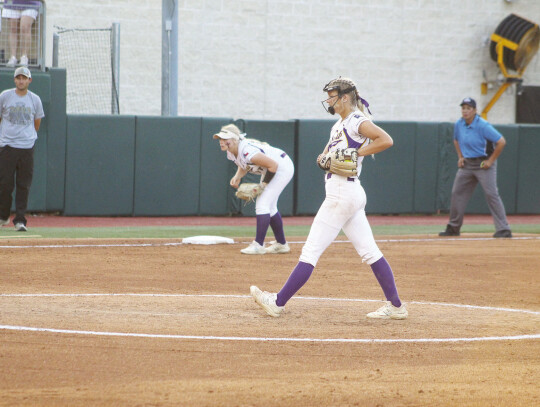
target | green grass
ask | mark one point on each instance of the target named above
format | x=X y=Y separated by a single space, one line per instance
x=171 y=232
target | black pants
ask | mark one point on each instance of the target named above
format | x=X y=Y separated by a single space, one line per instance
x=16 y=169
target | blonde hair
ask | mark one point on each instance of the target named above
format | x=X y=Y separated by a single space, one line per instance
x=346 y=86
x=241 y=136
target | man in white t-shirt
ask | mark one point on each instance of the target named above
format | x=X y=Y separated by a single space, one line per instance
x=21 y=112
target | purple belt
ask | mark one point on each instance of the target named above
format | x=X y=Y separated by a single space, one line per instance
x=329 y=175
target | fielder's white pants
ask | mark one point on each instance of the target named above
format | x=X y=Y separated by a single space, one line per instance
x=343 y=208
x=267 y=201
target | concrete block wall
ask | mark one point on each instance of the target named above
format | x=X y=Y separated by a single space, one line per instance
x=412 y=60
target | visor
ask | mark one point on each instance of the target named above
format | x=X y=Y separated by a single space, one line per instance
x=226 y=135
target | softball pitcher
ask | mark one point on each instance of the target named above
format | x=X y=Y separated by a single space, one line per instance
x=276 y=170
x=353 y=137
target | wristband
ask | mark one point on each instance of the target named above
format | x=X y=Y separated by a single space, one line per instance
x=268 y=176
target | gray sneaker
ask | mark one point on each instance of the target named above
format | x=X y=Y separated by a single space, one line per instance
x=12 y=62
x=254 y=248
x=20 y=227
x=267 y=301
x=278 y=248
x=388 y=311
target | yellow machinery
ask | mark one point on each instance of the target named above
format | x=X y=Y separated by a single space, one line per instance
x=513 y=45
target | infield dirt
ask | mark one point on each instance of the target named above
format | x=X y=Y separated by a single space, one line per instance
x=75 y=369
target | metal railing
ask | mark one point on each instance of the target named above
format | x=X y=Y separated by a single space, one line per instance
x=22 y=35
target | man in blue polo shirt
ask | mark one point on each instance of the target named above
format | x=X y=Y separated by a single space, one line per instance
x=474 y=139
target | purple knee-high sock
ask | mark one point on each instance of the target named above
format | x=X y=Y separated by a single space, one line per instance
x=263 y=221
x=385 y=277
x=297 y=279
x=276 y=223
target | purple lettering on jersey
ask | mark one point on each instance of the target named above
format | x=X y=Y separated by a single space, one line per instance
x=350 y=141
x=332 y=144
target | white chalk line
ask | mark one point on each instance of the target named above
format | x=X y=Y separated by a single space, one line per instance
x=18 y=236
x=268 y=339
x=63 y=246
x=444 y=304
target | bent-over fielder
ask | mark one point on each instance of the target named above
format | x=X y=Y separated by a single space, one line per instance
x=276 y=170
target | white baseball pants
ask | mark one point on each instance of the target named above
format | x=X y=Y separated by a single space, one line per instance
x=343 y=208
x=267 y=201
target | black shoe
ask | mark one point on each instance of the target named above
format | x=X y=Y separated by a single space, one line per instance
x=503 y=233
x=450 y=231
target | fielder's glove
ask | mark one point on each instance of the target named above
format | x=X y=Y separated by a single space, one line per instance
x=342 y=161
x=249 y=191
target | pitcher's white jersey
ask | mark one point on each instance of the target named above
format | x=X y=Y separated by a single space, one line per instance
x=344 y=134
x=247 y=149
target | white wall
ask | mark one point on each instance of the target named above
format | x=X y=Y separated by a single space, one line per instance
x=269 y=59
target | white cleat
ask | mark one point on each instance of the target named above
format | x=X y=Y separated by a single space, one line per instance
x=254 y=248
x=388 y=311
x=267 y=301
x=4 y=222
x=278 y=248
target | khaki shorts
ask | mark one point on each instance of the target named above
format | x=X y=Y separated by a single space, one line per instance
x=16 y=14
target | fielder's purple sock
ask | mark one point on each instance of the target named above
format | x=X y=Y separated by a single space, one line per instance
x=297 y=279
x=263 y=221
x=276 y=223
x=385 y=277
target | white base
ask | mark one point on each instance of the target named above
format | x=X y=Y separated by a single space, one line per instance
x=207 y=240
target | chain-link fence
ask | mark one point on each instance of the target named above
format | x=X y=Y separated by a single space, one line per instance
x=90 y=57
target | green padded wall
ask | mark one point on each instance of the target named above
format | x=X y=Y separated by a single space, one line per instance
x=528 y=184
x=216 y=170
x=37 y=201
x=507 y=168
x=279 y=134
x=447 y=166
x=100 y=162
x=426 y=168
x=389 y=178
x=312 y=137
x=167 y=173
x=157 y=166
x=56 y=141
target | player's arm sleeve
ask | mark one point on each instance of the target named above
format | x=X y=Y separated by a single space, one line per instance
x=249 y=152
x=356 y=123
x=39 y=108
x=491 y=134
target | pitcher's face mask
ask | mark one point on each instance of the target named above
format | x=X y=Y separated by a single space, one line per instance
x=328 y=104
x=331 y=88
